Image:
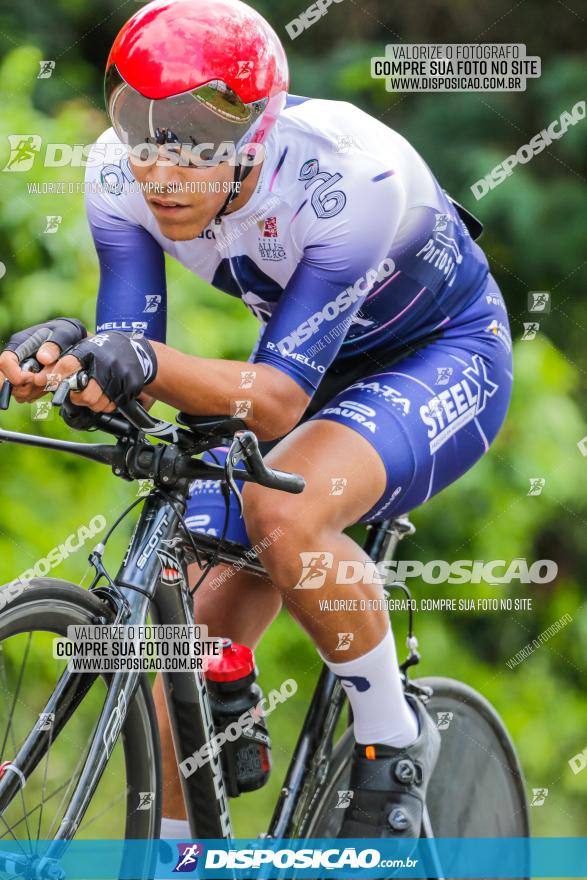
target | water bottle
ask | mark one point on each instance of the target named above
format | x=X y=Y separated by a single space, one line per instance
x=241 y=731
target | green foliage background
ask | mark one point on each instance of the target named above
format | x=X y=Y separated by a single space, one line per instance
x=534 y=238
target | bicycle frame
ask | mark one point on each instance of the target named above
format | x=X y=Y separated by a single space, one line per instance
x=138 y=590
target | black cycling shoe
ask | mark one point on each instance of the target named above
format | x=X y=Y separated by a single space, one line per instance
x=389 y=784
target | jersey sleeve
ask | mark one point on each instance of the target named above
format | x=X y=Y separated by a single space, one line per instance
x=342 y=256
x=132 y=294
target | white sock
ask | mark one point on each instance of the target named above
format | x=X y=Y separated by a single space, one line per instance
x=381 y=712
x=175 y=829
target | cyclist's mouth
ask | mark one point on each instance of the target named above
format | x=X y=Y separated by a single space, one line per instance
x=164 y=207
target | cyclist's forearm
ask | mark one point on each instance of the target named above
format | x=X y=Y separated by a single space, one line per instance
x=204 y=386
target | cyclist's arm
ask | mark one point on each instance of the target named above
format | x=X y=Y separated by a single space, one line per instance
x=212 y=387
x=132 y=295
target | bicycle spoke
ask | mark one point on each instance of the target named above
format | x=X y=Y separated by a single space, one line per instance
x=105 y=810
x=36 y=807
x=10 y=729
x=44 y=786
x=9 y=829
x=70 y=783
x=54 y=759
x=3 y=678
x=5 y=690
x=53 y=794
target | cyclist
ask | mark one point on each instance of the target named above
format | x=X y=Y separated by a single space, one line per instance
x=383 y=367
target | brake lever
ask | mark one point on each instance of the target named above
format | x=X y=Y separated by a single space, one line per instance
x=77 y=382
x=29 y=365
x=133 y=412
x=245 y=447
x=5 y=394
x=232 y=459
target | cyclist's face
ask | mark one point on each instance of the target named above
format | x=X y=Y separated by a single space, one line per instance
x=183 y=198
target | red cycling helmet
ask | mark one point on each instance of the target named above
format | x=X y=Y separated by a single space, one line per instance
x=195 y=72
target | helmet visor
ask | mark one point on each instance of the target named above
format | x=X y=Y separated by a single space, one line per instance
x=199 y=122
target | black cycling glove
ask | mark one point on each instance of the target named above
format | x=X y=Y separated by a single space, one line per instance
x=80 y=418
x=64 y=332
x=120 y=363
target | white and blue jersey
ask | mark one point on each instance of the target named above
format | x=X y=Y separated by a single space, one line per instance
x=357 y=265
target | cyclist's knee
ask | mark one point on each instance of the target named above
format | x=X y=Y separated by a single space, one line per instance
x=279 y=530
x=265 y=514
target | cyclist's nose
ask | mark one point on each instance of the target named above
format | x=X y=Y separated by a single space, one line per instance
x=157 y=167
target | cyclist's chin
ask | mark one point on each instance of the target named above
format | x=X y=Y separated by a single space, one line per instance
x=182 y=225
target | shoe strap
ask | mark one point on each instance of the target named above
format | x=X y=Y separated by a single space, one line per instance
x=375 y=772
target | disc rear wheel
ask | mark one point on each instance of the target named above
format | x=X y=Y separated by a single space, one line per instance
x=477 y=788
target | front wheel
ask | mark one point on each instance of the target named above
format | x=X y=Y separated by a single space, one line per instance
x=477 y=788
x=127 y=801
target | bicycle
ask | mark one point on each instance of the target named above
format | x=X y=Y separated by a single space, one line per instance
x=115 y=715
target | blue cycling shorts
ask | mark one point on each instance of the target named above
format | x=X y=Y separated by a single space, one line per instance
x=430 y=416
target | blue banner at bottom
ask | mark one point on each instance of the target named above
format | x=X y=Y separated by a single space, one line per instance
x=283 y=859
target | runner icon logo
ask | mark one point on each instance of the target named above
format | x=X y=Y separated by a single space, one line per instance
x=189 y=854
x=315 y=566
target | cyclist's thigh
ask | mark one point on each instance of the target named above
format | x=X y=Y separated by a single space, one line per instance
x=433 y=415
x=344 y=477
